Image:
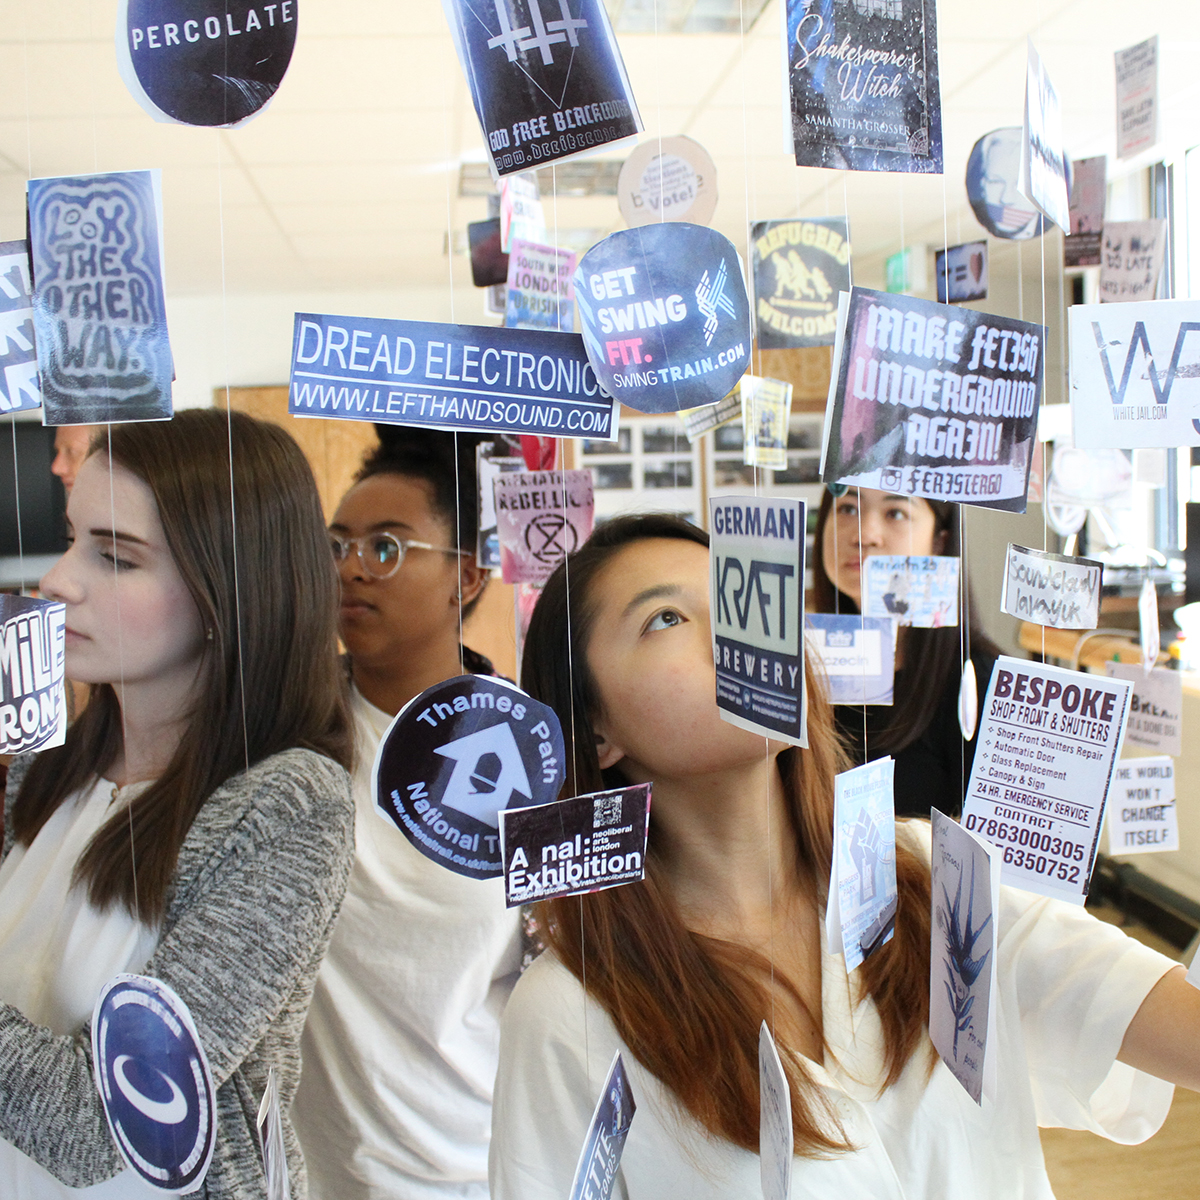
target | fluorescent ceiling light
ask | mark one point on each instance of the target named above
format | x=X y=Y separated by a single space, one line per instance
x=595 y=177
x=683 y=16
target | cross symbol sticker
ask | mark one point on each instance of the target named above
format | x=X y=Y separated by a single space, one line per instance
x=544 y=35
x=508 y=36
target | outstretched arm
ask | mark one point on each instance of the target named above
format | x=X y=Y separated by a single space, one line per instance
x=1163 y=1039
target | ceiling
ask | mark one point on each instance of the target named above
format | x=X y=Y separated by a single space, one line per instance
x=349 y=180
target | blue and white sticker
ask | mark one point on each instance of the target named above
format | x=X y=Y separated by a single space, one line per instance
x=458 y=754
x=154 y=1082
x=665 y=315
x=600 y=1158
x=19 y=388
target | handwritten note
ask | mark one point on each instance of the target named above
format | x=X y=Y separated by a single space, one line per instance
x=1141 y=807
x=1051 y=589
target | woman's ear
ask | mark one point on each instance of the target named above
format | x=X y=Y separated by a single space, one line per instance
x=607 y=751
x=471 y=580
x=939 y=541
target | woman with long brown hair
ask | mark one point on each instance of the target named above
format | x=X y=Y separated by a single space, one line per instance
x=197 y=825
x=679 y=971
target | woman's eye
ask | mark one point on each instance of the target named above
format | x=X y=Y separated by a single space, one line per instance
x=122 y=564
x=664 y=620
x=847 y=510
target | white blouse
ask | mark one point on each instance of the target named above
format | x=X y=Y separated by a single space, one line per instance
x=1068 y=986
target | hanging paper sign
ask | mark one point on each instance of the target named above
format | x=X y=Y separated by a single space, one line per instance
x=457 y=754
x=33 y=709
x=488 y=466
x=187 y=68
x=1149 y=633
x=547 y=80
x=968 y=701
x=962 y=273
x=756 y=584
x=766 y=405
x=1156 y=708
x=864 y=86
x=1131 y=260
x=1043 y=177
x=574 y=846
x=1051 y=589
x=962 y=960
x=596 y=1171
x=857 y=654
x=521 y=213
x=993 y=167
x=1137 y=97
x=1044 y=762
x=19 y=387
x=799 y=269
x=698 y=421
x=1081 y=247
x=540 y=293
x=541 y=517
x=860 y=913
x=1133 y=371
x=489 y=263
x=931 y=400
x=668 y=179
x=919 y=590
x=539 y=453
x=1141 y=810
x=776 y=1134
x=665 y=315
x=154 y=1082
x=270 y=1142
x=98 y=298
x=466 y=377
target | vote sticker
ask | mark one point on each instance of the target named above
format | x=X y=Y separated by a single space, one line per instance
x=665 y=315
x=456 y=756
x=154 y=1082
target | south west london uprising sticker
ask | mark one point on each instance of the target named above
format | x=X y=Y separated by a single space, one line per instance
x=458 y=754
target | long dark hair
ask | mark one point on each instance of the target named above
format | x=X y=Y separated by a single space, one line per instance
x=688 y=1006
x=933 y=658
x=242 y=520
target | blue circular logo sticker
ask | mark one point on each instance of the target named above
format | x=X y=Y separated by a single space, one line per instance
x=665 y=315
x=992 y=172
x=454 y=757
x=154 y=1082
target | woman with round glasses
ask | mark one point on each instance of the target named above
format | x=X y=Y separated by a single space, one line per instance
x=402 y=1040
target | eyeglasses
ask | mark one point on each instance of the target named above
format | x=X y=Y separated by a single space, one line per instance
x=381 y=553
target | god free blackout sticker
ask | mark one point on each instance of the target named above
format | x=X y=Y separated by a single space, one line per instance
x=458 y=754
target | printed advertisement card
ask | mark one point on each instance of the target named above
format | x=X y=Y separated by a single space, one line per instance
x=596 y=1172
x=857 y=654
x=1043 y=177
x=962 y=273
x=1137 y=97
x=776 y=1136
x=33 y=706
x=698 y=421
x=19 y=388
x=766 y=406
x=541 y=517
x=1141 y=808
x=1155 y=709
x=1081 y=247
x=668 y=179
x=1051 y=589
x=540 y=290
x=522 y=214
x=489 y=465
x=920 y=590
x=799 y=268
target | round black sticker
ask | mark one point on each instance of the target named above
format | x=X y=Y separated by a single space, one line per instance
x=454 y=757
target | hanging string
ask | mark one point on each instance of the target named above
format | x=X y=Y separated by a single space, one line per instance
x=17 y=490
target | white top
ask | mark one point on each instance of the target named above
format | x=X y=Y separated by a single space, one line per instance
x=56 y=952
x=1067 y=988
x=402 y=1040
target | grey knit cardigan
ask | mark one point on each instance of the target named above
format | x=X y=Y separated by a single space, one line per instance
x=256 y=891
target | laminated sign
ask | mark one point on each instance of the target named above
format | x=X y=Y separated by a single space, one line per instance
x=541 y=517
x=935 y=401
x=33 y=708
x=545 y=76
x=98 y=298
x=756 y=583
x=665 y=315
x=457 y=754
x=800 y=267
x=18 y=359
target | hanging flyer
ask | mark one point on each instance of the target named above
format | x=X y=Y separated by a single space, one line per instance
x=1081 y=246
x=271 y=1141
x=19 y=388
x=522 y=214
x=962 y=273
x=864 y=85
x=698 y=421
x=466 y=377
x=857 y=653
x=33 y=704
x=993 y=167
x=1051 y=589
x=488 y=464
x=919 y=590
x=1046 y=750
x=931 y=400
x=541 y=517
x=1142 y=818
x=766 y=406
x=776 y=1134
x=596 y=1171
x=540 y=292
x=668 y=179
x=1137 y=97
x=1135 y=374
x=800 y=267
x=1131 y=260
x=1155 y=709
x=756 y=585
x=546 y=79
x=1043 y=177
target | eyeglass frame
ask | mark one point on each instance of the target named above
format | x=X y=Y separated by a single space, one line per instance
x=403 y=545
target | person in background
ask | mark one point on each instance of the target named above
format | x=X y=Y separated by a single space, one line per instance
x=402 y=1041
x=197 y=825
x=71 y=446
x=920 y=729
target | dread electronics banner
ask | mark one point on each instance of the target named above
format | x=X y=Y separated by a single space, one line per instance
x=799 y=267
x=935 y=401
x=546 y=78
x=864 y=85
x=18 y=359
x=447 y=377
x=756 y=581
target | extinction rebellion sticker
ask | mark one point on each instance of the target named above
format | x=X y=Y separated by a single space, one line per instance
x=456 y=756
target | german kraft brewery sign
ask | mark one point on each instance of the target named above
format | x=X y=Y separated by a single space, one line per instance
x=458 y=754
x=188 y=62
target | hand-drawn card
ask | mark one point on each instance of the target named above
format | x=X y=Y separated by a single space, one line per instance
x=919 y=590
x=546 y=78
x=993 y=168
x=962 y=960
x=936 y=401
x=860 y=913
x=1043 y=177
x=668 y=179
x=776 y=1135
x=1045 y=753
x=19 y=388
x=1051 y=589
x=864 y=85
x=1155 y=709
x=1131 y=260
x=766 y=406
x=1081 y=246
x=1137 y=97
x=33 y=706
x=541 y=294
x=857 y=653
x=98 y=298
x=1141 y=807
x=488 y=466
x=600 y=1158
x=698 y=421
x=962 y=273
x=541 y=517
x=756 y=585
x=799 y=269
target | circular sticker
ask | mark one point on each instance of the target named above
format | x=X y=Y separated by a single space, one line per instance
x=154 y=1082
x=992 y=172
x=668 y=179
x=454 y=757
